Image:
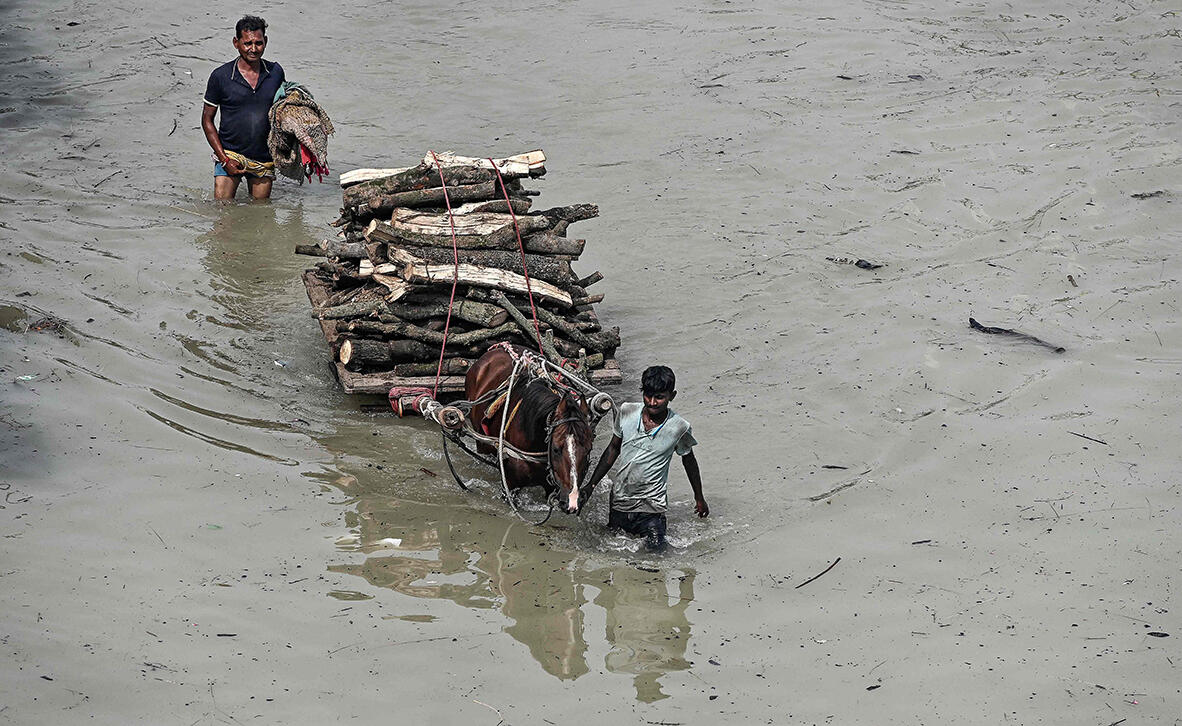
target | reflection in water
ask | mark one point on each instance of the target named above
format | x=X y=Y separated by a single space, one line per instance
x=249 y=257
x=479 y=560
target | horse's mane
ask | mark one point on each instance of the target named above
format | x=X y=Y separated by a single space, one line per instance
x=537 y=403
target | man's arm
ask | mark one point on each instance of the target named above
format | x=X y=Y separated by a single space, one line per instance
x=215 y=141
x=695 y=479
x=610 y=454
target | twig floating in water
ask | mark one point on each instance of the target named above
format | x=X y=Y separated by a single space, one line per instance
x=1013 y=333
x=814 y=577
x=1089 y=438
x=170 y=133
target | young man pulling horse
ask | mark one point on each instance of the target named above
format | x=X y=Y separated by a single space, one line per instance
x=648 y=435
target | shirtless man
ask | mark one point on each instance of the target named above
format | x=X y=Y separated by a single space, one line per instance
x=242 y=90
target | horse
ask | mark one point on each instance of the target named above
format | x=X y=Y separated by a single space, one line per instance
x=546 y=418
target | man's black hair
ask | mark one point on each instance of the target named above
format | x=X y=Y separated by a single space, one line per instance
x=656 y=379
x=250 y=22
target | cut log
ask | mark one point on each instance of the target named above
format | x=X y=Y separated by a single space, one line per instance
x=548 y=243
x=423 y=176
x=417 y=271
x=571 y=213
x=451 y=367
x=339 y=271
x=603 y=341
x=434 y=197
x=482 y=314
x=520 y=206
x=360 y=353
x=333 y=248
x=529 y=164
x=457 y=170
x=480 y=230
x=587 y=300
x=590 y=280
x=541 y=267
x=415 y=332
x=478 y=313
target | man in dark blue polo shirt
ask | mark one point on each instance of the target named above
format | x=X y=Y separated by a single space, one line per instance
x=242 y=90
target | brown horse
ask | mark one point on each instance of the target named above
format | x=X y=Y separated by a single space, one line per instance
x=544 y=418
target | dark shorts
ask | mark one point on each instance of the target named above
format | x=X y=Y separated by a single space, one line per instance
x=641 y=524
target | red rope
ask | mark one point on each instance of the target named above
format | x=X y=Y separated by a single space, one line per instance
x=455 y=278
x=521 y=246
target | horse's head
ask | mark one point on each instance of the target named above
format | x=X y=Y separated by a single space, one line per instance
x=571 y=435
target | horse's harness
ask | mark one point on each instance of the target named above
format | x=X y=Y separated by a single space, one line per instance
x=561 y=382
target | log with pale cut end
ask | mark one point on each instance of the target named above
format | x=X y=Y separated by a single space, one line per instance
x=361 y=354
x=417 y=271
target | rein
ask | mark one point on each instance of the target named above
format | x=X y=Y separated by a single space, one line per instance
x=537 y=367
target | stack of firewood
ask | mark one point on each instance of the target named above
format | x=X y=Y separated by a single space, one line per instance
x=390 y=269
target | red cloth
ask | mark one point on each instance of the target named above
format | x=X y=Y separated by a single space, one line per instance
x=312 y=165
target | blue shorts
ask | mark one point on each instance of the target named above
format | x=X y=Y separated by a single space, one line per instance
x=641 y=524
x=219 y=170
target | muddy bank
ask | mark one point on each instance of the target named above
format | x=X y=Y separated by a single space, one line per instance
x=198 y=528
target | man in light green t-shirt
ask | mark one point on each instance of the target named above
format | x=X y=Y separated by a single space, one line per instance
x=646 y=438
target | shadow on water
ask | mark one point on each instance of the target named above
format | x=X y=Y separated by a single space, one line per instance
x=553 y=595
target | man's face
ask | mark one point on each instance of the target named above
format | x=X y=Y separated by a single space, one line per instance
x=251 y=45
x=656 y=403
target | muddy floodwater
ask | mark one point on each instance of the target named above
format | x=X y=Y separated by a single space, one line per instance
x=198 y=527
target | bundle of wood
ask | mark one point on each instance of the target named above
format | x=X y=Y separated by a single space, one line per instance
x=382 y=292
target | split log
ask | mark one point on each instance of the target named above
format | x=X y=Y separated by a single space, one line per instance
x=481 y=230
x=417 y=271
x=541 y=267
x=539 y=243
x=415 y=332
x=457 y=170
x=434 y=197
x=359 y=353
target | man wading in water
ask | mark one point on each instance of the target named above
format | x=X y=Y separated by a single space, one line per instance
x=243 y=91
x=647 y=435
